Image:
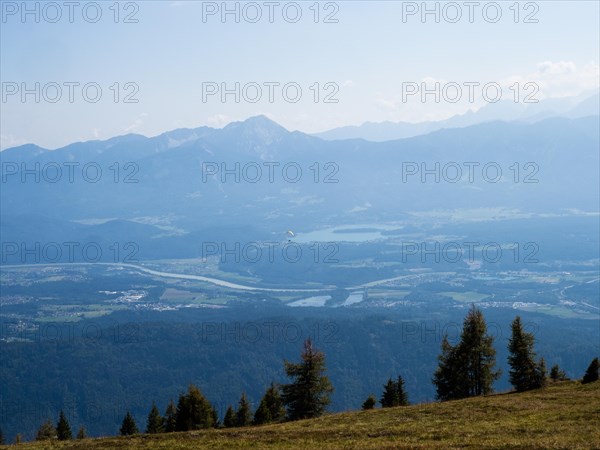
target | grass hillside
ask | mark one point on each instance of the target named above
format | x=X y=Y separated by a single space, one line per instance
x=563 y=416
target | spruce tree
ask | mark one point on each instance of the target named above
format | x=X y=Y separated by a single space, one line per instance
x=447 y=376
x=229 y=419
x=540 y=374
x=63 y=429
x=128 y=426
x=170 y=419
x=46 y=431
x=271 y=408
x=557 y=374
x=369 y=403
x=243 y=415
x=81 y=434
x=307 y=395
x=401 y=392
x=478 y=356
x=154 y=423
x=262 y=414
x=215 y=417
x=591 y=374
x=389 y=398
x=524 y=372
x=194 y=412
x=467 y=369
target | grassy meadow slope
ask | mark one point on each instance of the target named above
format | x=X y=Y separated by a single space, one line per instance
x=562 y=416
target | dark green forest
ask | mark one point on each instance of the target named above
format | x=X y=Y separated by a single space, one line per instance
x=109 y=366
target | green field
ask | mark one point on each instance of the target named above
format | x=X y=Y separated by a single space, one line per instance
x=562 y=416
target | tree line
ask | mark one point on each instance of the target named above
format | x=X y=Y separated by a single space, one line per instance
x=465 y=369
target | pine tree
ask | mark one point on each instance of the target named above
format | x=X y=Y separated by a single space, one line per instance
x=478 y=355
x=540 y=374
x=81 y=434
x=389 y=398
x=154 y=423
x=556 y=374
x=401 y=392
x=229 y=419
x=170 y=419
x=243 y=415
x=63 y=429
x=46 y=431
x=394 y=394
x=524 y=372
x=262 y=414
x=271 y=407
x=194 y=412
x=467 y=369
x=1 y=437
x=369 y=403
x=447 y=377
x=215 y=417
x=307 y=395
x=182 y=416
x=591 y=374
x=128 y=426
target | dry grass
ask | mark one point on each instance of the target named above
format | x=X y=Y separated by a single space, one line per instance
x=562 y=416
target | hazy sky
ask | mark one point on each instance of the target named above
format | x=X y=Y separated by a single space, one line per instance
x=368 y=56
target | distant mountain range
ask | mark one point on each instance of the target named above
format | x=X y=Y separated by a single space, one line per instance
x=586 y=104
x=254 y=179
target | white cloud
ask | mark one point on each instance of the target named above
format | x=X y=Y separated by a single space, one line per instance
x=137 y=123
x=357 y=209
x=218 y=120
x=559 y=79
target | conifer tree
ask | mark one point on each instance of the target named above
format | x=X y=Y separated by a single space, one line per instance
x=229 y=419
x=154 y=423
x=369 y=403
x=194 y=412
x=128 y=426
x=215 y=417
x=1 y=437
x=243 y=415
x=467 y=369
x=307 y=395
x=389 y=398
x=262 y=414
x=46 y=431
x=170 y=419
x=591 y=374
x=478 y=355
x=63 y=429
x=271 y=408
x=81 y=434
x=447 y=377
x=401 y=392
x=556 y=374
x=18 y=438
x=540 y=374
x=394 y=394
x=524 y=373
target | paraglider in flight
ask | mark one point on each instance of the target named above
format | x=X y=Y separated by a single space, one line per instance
x=290 y=235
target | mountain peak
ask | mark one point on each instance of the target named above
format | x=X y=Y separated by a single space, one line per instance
x=258 y=129
x=260 y=122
